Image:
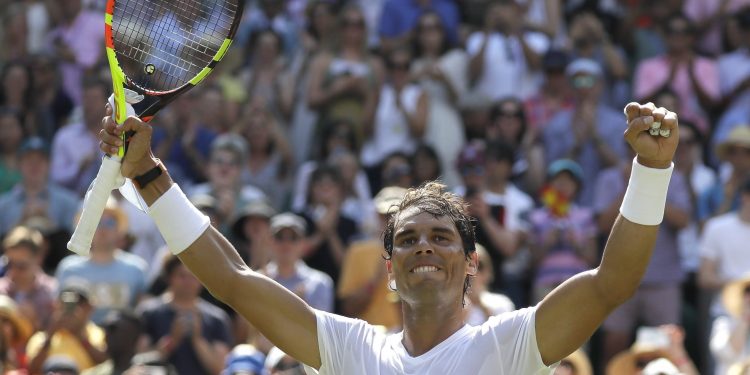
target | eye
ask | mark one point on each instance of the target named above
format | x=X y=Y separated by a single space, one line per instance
x=408 y=241
x=440 y=238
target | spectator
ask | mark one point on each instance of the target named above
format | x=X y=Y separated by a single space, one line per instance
x=401 y=116
x=441 y=71
x=71 y=332
x=16 y=89
x=399 y=19
x=116 y=278
x=724 y=195
x=711 y=20
x=730 y=332
x=14 y=32
x=252 y=228
x=575 y=364
x=36 y=195
x=269 y=159
x=356 y=206
x=24 y=281
x=16 y=331
x=563 y=234
x=288 y=269
x=228 y=157
x=695 y=79
x=77 y=42
x=658 y=299
x=191 y=334
x=722 y=246
x=346 y=82
x=647 y=28
x=52 y=104
x=395 y=171
x=261 y=78
x=590 y=40
x=426 y=165
x=483 y=303
x=585 y=133
x=270 y=15
x=510 y=126
x=11 y=137
x=328 y=228
x=664 y=344
x=503 y=40
x=245 y=360
x=123 y=329
x=498 y=205
x=553 y=97
x=280 y=363
x=75 y=148
x=363 y=286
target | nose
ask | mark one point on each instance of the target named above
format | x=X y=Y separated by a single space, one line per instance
x=423 y=246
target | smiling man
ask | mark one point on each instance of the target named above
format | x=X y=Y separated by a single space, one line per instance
x=431 y=260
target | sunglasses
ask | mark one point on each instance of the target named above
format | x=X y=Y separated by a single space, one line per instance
x=225 y=162
x=353 y=23
x=286 y=237
x=21 y=266
x=584 y=82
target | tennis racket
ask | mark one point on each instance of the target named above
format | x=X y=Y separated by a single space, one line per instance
x=157 y=50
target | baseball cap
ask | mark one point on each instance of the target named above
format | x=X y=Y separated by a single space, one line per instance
x=584 y=66
x=60 y=363
x=34 y=144
x=555 y=60
x=79 y=286
x=288 y=220
x=245 y=359
x=256 y=208
x=472 y=154
x=565 y=165
x=388 y=198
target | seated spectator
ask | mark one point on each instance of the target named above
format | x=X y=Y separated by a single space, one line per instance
x=245 y=360
x=252 y=229
x=123 y=329
x=75 y=149
x=116 y=278
x=554 y=95
x=695 y=79
x=24 y=280
x=288 y=269
x=562 y=233
x=36 y=195
x=723 y=247
x=731 y=332
x=575 y=364
x=329 y=229
x=504 y=57
x=483 y=303
x=724 y=196
x=427 y=165
x=188 y=332
x=11 y=137
x=16 y=331
x=395 y=170
x=280 y=363
x=70 y=333
x=228 y=156
x=585 y=133
x=664 y=342
x=355 y=206
x=363 y=286
x=399 y=19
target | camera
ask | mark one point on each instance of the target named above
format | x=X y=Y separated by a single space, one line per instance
x=69 y=301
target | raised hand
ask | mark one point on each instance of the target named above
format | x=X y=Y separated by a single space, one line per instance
x=652 y=151
x=139 y=158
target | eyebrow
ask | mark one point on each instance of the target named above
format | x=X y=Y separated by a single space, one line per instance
x=408 y=232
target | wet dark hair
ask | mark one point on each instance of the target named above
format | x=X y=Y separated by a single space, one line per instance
x=433 y=198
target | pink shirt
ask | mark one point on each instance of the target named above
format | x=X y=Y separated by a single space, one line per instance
x=653 y=74
x=85 y=38
x=700 y=10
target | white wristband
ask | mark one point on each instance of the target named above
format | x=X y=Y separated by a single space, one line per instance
x=646 y=194
x=179 y=222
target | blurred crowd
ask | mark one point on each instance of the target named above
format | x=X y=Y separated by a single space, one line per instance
x=318 y=119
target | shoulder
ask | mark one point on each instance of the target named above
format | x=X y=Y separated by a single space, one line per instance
x=70 y=262
x=518 y=197
x=129 y=260
x=151 y=306
x=726 y=222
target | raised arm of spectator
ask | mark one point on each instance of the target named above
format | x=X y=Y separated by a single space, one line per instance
x=280 y=315
x=561 y=325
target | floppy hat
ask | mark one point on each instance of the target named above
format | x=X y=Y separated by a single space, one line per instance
x=739 y=136
x=256 y=208
x=388 y=198
x=288 y=220
x=9 y=310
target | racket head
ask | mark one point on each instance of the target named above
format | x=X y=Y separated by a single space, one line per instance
x=162 y=48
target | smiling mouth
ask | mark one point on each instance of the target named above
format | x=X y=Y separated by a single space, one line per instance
x=424 y=269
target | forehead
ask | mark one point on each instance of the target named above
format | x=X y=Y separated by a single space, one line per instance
x=414 y=217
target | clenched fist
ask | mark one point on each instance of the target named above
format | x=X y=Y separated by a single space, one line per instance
x=653 y=151
x=139 y=158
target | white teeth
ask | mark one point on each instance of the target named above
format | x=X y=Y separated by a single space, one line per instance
x=425 y=269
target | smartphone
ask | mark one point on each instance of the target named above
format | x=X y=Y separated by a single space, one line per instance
x=69 y=301
x=652 y=337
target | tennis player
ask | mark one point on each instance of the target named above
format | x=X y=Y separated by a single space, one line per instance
x=431 y=258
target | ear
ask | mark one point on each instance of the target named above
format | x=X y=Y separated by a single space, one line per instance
x=472 y=266
x=389 y=267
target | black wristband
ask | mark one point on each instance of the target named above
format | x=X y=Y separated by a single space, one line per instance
x=146 y=178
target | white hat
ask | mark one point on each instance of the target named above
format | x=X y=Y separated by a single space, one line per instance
x=585 y=66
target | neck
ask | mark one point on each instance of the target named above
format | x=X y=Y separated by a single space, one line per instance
x=286 y=269
x=31 y=187
x=497 y=186
x=100 y=255
x=427 y=325
x=24 y=285
x=181 y=301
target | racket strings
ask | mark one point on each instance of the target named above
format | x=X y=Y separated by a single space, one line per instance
x=162 y=44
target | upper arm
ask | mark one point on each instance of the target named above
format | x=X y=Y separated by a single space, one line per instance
x=280 y=315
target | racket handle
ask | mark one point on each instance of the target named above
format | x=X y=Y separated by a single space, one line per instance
x=94 y=204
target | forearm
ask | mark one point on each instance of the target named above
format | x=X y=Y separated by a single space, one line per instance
x=35 y=364
x=210 y=358
x=705 y=100
x=505 y=240
x=97 y=355
x=476 y=64
x=676 y=217
x=532 y=58
x=617 y=67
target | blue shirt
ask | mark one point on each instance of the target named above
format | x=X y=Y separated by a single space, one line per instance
x=177 y=157
x=314 y=287
x=62 y=205
x=114 y=285
x=400 y=17
x=559 y=140
x=710 y=201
